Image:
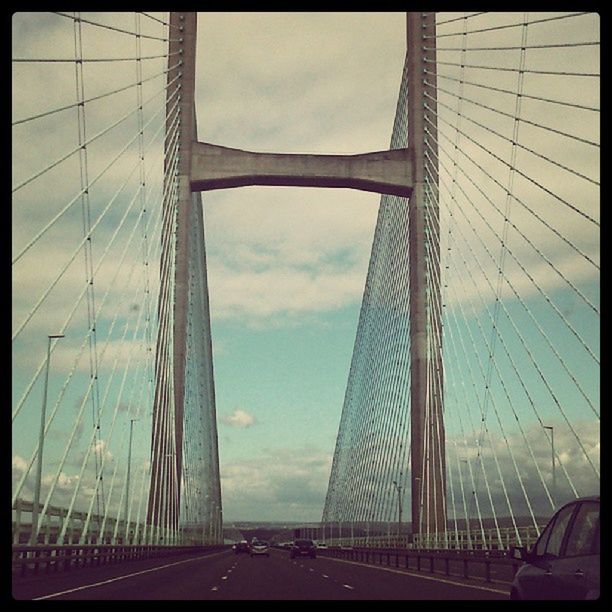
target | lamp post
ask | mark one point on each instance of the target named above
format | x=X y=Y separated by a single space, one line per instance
x=127 y=482
x=417 y=481
x=467 y=520
x=213 y=525
x=554 y=475
x=41 y=439
x=399 y=504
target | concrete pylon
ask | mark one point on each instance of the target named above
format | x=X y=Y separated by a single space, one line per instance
x=428 y=464
x=167 y=440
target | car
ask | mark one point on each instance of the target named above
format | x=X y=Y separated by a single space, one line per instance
x=303 y=548
x=322 y=545
x=259 y=547
x=241 y=547
x=564 y=562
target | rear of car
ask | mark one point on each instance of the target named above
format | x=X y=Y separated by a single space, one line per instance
x=241 y=547
x=303 y=548
x=564 y=563
x=260 y=548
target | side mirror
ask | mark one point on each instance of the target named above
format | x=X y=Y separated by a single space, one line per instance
x=518 y=553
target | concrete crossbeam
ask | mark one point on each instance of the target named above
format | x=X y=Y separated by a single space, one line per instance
x=217 y=167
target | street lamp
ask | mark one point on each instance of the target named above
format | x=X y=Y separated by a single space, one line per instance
x=41 y=438
x=417 y=482
x=127 y=482
x=467 y=513
x=554 y=475
x=399 y=503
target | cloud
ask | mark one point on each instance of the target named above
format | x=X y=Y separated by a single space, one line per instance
x=287 y=253
x=239 y=419
x=509 y=473
x=294 y=82
x=276 y=484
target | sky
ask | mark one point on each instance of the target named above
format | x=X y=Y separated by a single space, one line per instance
x=286 y=281
x=286 y=266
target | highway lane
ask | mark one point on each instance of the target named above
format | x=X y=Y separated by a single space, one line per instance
x=225 y=576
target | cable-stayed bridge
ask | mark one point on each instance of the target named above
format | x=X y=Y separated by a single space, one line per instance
x=472 y=404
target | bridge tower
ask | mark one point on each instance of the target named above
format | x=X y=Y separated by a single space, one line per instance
x=184 y=384
x=428 y=473
x=203 y=166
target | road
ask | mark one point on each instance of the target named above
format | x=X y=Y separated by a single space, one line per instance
x=226 y=576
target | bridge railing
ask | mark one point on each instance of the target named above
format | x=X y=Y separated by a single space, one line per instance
x=48 y=559
x=484 y=539
x=371 y=541
x=484 y=565
x=102 y=529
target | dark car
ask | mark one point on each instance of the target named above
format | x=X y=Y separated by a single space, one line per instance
x=241 y=547
x=564 y=562
x=303 y=548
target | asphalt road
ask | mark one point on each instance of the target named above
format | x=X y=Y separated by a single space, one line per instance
x=226 y=576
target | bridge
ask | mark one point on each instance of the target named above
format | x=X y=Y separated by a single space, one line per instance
x=471 y=396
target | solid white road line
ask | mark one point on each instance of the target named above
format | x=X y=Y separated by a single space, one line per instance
x=118 y=578
x=425 y=577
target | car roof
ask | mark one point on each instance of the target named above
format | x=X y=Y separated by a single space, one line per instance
x=589 y=498
x=581 y=499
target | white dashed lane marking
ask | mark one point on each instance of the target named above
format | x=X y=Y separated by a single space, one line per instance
x=348 y=586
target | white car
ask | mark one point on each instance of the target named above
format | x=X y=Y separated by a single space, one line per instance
x=258 y=547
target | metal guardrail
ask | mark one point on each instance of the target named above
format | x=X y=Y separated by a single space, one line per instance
x=33 y=560
x=101 y=529
x=502 y=538
x=476 y=539
x=469 y=564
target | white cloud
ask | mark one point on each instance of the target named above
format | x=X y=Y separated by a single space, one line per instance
x=239 y=418
x=276 y=484
x=295 y=82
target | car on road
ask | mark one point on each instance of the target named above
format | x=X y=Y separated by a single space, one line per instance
x=321 y=545
x=260 y=548
x=564 y=562
x=241 y=547
x=303 y=548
